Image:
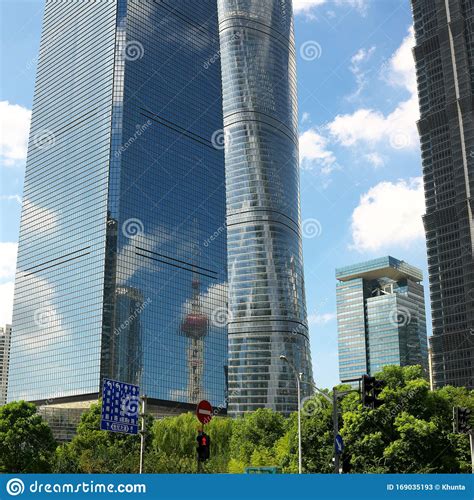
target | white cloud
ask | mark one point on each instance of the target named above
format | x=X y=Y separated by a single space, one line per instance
x=6 y=302
x=371 y=127
x=10 y=197
x=305 y=117
x=400 y=70
x=389 y=215
x=314 y=151
x=374 y=159
x=307 y=7
x=8 y=251
x=42 y=220
x=357 y=62
x=14 y=128
x=321 y=319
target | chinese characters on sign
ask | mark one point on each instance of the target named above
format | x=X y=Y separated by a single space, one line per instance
x=120 y=404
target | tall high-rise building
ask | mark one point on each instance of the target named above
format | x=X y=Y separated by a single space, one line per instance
x=5 y=337
x=124 y=188
x=380 y=317
x=266 y=286
x=444 y=56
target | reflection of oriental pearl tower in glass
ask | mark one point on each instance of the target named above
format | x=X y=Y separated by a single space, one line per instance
x=194 y=326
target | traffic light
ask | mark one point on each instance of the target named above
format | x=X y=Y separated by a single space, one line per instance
x=203 y=449
x=378 y=388
x=461 y=417
x=367 y=391
x=371 y=389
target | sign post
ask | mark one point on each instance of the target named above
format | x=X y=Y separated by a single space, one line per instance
x=339 y=444
x=204 y=414
x=142 y=432
x=120 y=404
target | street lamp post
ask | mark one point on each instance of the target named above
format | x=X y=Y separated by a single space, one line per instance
x=298 y=387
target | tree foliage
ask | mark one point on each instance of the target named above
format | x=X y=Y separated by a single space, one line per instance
x=26 y=441
x=411 y=432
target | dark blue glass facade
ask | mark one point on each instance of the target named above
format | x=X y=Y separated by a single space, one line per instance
x=116 y=275
x=266 y=285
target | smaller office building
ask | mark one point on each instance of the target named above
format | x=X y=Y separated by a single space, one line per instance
x=381 y=317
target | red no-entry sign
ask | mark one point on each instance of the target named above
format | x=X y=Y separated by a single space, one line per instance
x=204 y=412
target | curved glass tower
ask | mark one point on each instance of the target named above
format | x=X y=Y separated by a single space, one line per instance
x=265 y=266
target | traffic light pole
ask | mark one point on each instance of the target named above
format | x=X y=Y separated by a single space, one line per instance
x=298 y=377
x=335 y=414
x=142 y=432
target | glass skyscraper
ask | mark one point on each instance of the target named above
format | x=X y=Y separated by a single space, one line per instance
x=380 y=317
x=267 y=311
x=444 y=56
x=124 y=187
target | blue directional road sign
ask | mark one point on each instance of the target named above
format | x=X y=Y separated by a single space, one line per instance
x=339 y=444
x=120 y=405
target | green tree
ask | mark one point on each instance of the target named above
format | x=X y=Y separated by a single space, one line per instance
x=26 y=441
x=95 y=451
x=174 y=444
x=411 y=432
x=253 y=438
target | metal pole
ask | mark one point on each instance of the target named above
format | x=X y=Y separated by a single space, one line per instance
x=142 y=433
x=300 y=466
x=298 y=377
x=335 y=423
x=471 y=441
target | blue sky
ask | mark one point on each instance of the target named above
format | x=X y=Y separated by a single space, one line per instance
x=361 y=190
